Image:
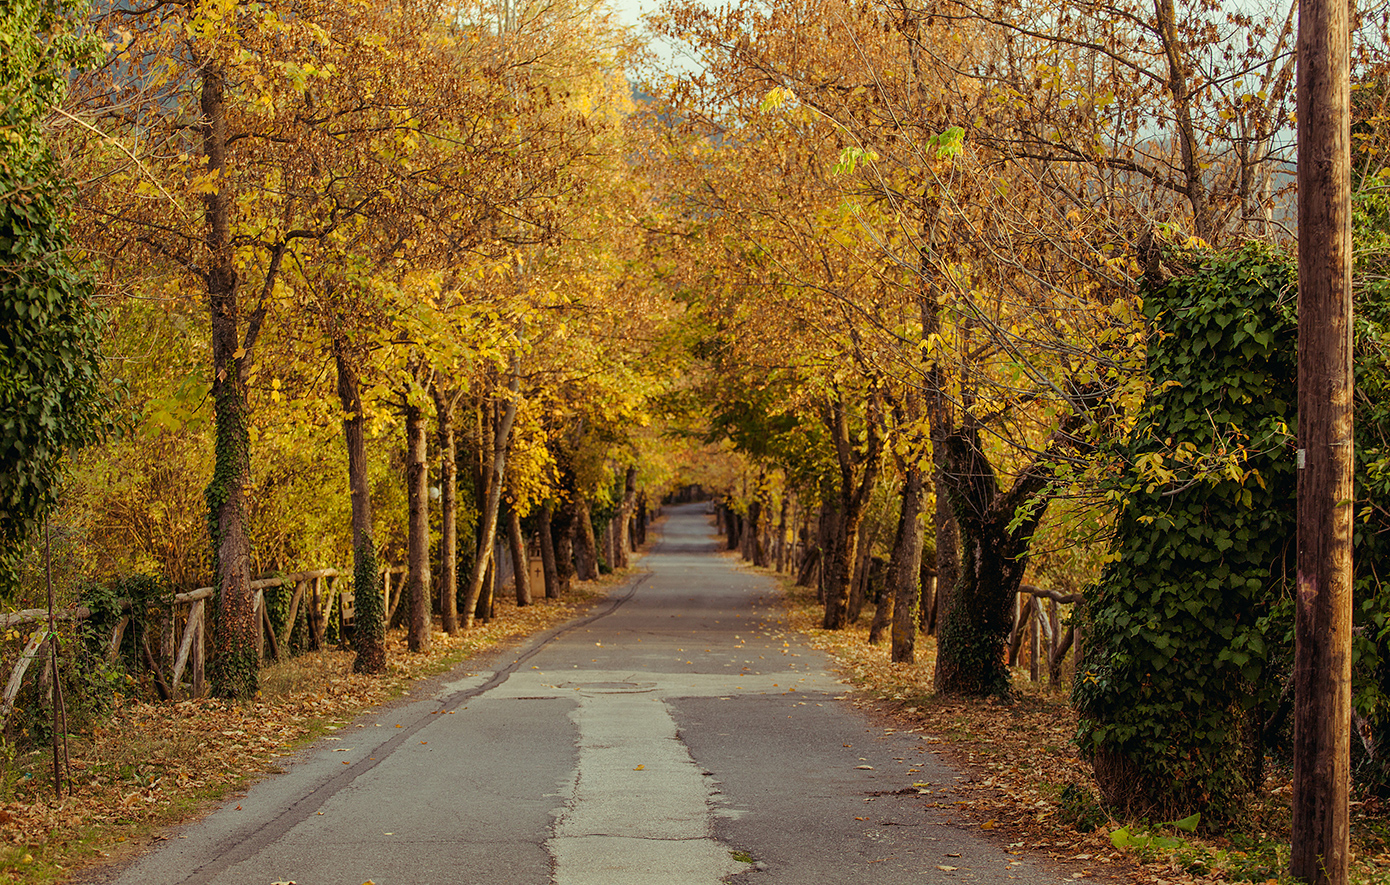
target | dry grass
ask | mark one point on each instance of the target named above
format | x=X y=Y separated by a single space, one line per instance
x=150 y=765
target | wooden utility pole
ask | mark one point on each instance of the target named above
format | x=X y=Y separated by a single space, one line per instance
x=1322 y=661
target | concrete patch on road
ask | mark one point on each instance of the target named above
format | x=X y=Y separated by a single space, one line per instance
x=640 y=810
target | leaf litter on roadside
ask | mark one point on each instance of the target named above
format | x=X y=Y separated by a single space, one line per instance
x=149 y=765
x=1025 y=785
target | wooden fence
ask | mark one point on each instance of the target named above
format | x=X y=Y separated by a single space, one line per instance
x=1039 y=625
x=317 y=591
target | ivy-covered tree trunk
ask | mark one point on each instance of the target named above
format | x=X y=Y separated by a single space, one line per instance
x=369 y=619
x=234 y=663
x=417 y=478
x=1188 y=628
x=973 y=637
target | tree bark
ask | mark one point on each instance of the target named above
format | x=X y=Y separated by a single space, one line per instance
x=547 y=538
x=975 y=633
x=417 y=474
x=854 y=497
x=621 y=544
x=1323 y=603
x=905 y=571
x=369 y=620
x=586 y=546
x=564 y=531
x=947 y=554
x=863 y=568
x=521 y=573
x=487 y=535
x=448 y=510
x=235 y=669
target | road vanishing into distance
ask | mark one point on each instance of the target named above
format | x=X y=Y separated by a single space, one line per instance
x=675 y=735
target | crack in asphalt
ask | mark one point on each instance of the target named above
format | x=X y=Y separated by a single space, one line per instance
x=246 y=846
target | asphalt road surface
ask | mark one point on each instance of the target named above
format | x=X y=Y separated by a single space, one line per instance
x=676 y=735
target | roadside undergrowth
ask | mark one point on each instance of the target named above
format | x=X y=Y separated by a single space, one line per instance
x=1025 y=785
x=151 y=765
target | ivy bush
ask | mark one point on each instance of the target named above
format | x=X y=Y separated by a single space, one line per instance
x=1187 y=681
x=1190 y=625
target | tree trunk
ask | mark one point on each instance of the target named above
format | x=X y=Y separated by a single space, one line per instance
x=903 y=592
x=521 y=574
x=482 y=609
x=863 y=567
x=235 y=669
x=448 y=510
x=621 y=544
x=947 y=555
x=854 y=497
x=975 y=633
x=369 y=620
x=907 y=572
x=487 y=535
x=586 y=546
x=417 y=475
x=781 y=542
x=547 y=539
x=564 y=531
x=639 y=536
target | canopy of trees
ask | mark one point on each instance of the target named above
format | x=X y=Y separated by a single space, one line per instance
x=972 y=297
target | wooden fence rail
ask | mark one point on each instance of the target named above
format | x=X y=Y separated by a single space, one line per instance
x=1041 y=626
x=319 y=590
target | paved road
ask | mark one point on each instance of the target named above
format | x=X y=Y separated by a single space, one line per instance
x=675 y=736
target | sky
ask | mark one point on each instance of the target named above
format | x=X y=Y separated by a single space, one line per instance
x=631 y=10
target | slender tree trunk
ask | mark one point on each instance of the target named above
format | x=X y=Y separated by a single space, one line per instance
x=863 y=567
x=622 y=542
x=1323 y=648
x=369 y=620
x=552 y=575
x=905 y=571
x=482 y=609
x=418 y=530
x=235 y=669
x=586 y=546
x=564 y=531
x=502 y=436
x=517 y=542
x=781 y=543
x=448 y=510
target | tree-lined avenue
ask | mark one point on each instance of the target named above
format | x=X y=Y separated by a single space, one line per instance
x=676 y=735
